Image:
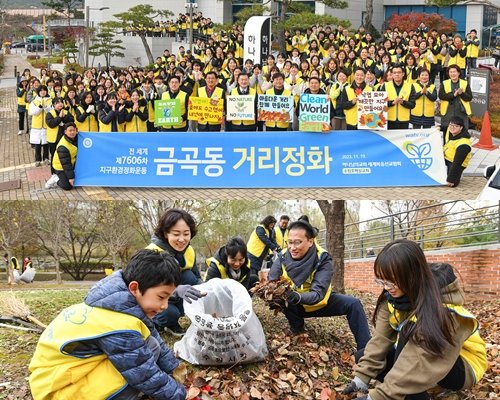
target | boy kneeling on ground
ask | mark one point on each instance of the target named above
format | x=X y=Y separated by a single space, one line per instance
x=107 y=346
x=64 y=159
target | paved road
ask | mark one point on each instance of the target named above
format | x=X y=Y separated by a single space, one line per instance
x=17 y=165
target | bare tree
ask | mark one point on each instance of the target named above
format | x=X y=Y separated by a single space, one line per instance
x=334 y=212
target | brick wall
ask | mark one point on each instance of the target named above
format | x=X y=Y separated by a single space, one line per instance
x=478 y=267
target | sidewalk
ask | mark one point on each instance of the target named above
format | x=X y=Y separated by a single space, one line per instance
x=26 y=182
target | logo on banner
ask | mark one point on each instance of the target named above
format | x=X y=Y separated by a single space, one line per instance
x=419 y=155
x=87 y=143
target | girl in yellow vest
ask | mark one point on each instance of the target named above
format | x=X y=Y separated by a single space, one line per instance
x=86 y=114
x=423 y=335
x=457 y=150
x=136 y=113
x=422 y=115
x=38 y=109
x=261 y=242
x=109 y=114
x=455 y=95
x=21 y=91
x=56 y=118
x=231 y=262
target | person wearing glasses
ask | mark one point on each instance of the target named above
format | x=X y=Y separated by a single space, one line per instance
x=309 y=269
x=457 y=150
x=424 y=337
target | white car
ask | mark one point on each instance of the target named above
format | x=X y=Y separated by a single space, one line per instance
x=492 y=189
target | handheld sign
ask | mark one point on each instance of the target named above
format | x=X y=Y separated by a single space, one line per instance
x=314 y=112
x=372 y=110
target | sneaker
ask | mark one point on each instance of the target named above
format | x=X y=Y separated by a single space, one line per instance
x=20 y=132
x=52 y=182
x=38 y=163
x=46 y=161
x=175 y=330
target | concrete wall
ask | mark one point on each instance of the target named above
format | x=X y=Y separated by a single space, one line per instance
x=478 y=267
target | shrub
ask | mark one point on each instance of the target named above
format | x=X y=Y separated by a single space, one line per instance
x=411 y=21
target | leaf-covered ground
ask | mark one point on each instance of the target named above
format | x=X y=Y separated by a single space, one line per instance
x=310 y=366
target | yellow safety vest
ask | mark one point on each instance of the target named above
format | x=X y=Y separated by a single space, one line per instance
x=472 y=50
x=351 y=114
x=255 y=246
x=73 y=150
x=450 y=148
x=136 y=124
x=398 y=112
x=473 y=350
x=447 y=88
x=222 y=270
x=458 y=59
x=281 y=239
x=273 y=124
x=423 y=106
x=181 y=95
x=38 y=121
x=56 y=374
x=189 y=255
x=306 y=286
x=218 y=92
x=89 y=125
x=234 y=92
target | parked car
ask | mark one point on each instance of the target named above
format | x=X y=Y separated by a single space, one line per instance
x=492 y=189
x=18 y=45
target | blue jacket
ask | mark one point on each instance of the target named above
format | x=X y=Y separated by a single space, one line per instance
x=129 y=353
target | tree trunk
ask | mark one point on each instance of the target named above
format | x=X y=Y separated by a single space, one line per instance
x=146 y=47
x=368 y=16
x=8 y=271
x=281 y=28
x=334 y=213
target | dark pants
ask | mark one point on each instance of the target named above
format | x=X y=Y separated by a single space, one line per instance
x=151 y=127
x=130 y=393
x=52 y=152
x=397 y=125
x=471 y=63
x=243 y=128
x=174 y=129
x=63 y=181
x=256 y=263
x=170 y=317
x=38 y=152
x=351 y=127
x=22 y=117
x=208 y=128
x=270 y=129
x=338 y=304
x=454 y=380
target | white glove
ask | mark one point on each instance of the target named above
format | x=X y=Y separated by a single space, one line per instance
x=90 y=109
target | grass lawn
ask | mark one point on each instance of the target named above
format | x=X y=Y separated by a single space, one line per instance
x=296 y=368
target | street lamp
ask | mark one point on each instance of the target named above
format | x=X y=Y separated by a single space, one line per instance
x=87 y=34
x=190 y=5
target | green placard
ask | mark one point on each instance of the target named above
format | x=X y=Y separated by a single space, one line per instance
x=168 y=112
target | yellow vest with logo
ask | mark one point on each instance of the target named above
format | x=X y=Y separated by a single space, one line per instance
x=255 y=246
x=447 y=89
x=473 y=350
x=398 y=112
x=56 y=374
x=222 y=270
x=273 y=124
x=218 y=92
x=89 y=125
x=181 y=95
x=38 y=121
x=281 y=239
x=234 y=92
x=450 y=148
x=351 y=114
x=73 y=150
x=423 y=106
x=306 y=286
x=136 y=124
x=189 y=255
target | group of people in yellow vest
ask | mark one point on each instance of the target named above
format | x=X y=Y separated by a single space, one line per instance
x=322 y=60
x=423 y=335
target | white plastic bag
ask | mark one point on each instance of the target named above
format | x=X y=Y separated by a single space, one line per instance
x=224 y=328
x=28 y=275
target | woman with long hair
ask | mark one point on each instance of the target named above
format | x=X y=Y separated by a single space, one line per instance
x=423 y=337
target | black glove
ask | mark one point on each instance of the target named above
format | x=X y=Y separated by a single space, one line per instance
x=356 y=385
x=277 y=249
x=277 y=304
x=40 y=106
x=188 y=293
x=293 y=297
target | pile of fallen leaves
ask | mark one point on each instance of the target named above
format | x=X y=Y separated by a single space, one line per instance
x=273 y=293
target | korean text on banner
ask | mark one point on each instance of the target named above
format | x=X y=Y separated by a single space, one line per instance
x=275 y=108
x=168 y=112
x=314 y=112
x=205 y=110
x=361 y=158
x=372 y=110
x=241 y=108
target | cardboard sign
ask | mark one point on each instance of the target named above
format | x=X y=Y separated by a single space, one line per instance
x=314 y=112
x=372 y=110
x=205 y=110
x=276 y=108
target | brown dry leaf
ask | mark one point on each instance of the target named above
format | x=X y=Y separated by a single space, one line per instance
x=193 y=392
x=326 y=394
x=254 y=392
x=335 y=373
x=199 y=382
x=324 y=356
x=180 y=373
